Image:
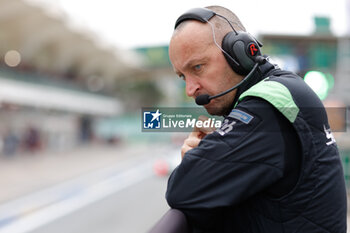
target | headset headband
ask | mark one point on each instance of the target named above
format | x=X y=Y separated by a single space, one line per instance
x=201 y=14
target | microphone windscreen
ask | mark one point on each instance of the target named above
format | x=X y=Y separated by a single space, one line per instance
x=202 y=99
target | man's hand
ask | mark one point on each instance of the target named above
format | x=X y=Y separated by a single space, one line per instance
x=195 y=136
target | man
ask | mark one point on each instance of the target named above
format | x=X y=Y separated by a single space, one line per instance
x=274 y=165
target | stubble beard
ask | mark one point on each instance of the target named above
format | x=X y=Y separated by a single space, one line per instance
x=221 y=108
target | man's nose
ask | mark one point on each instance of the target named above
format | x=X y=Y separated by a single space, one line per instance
x=191 y=86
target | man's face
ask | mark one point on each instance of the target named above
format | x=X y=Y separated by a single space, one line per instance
x=201 y=64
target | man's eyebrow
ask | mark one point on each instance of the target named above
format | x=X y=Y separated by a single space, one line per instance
x=194 y=61
x=189 y=64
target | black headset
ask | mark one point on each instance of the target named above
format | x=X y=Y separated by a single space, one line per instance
x=241 y=50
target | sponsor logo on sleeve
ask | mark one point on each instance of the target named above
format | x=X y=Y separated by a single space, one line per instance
x=226 y=127
x=241 y=116
x=329 y=136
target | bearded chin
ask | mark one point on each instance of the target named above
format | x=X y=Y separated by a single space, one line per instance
x=217 y=111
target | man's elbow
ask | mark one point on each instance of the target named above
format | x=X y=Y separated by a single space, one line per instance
x=171 y=198
x=176 y=198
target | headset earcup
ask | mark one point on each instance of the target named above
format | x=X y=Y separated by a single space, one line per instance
x=244 y=60
x=227 y=46
x=237 y=47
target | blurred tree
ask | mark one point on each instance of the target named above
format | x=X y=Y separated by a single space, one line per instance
x=138 y=93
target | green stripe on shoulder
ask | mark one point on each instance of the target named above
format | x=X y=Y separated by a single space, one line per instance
x=276 y=94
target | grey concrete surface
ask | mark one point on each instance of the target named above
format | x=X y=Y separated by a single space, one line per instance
x=27 y=173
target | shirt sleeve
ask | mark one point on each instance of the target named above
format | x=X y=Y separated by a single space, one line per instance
x=240 y=159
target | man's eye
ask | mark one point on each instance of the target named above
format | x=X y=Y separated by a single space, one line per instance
x=182 y=77
x=198 y=67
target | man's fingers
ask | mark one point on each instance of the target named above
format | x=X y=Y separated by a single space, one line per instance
x=184 y=149
x=205 y=130
x=192 y=141
x=196 y=136
x=202 y=118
